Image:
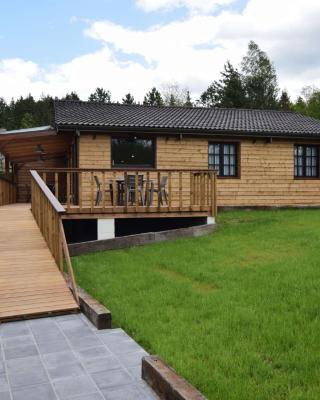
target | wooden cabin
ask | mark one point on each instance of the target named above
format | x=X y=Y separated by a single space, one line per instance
x=112 y=162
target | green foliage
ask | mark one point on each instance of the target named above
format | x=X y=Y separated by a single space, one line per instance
x=27 y=121
x=188 y=102
x=128 y=99
x=71 y=96
x=229 y=91
x=284 y=102
x=309 y=103
x=235 y=312
x=100 y=96
x=259 y=79
x=153 y=98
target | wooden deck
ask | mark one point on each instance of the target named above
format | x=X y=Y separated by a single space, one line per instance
x=30 y=282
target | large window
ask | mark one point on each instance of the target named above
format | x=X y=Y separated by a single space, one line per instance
x=223 y=157
x=306 y=161
x=133 y=152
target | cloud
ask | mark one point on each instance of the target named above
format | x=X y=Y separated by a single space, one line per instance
x=191 y=51
x=202 y=6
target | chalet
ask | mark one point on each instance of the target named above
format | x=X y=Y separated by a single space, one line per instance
x=119 y=169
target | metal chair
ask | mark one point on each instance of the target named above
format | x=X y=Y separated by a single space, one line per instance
x=162 y=191
x=100 y=191
x=130 y=185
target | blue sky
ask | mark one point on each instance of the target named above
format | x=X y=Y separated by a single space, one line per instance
x=51 y=45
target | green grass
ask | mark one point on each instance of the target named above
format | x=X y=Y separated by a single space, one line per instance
x=237 y=312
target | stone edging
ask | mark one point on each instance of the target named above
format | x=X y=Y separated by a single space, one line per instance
x=123 y=242
x=166 y=382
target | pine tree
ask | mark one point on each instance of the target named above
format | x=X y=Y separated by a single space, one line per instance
x=27 y=121
x=259 y=78
x=227 y=92
x=284 y=101
x=100 y=96
x=71 y=96
x=153 y=98
x=188 y=103
x=128 y=99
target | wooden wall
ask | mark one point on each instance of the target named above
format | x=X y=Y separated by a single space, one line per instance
x=23 y=177
x=266 y=169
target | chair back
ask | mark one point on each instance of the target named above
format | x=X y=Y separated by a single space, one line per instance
x=163 y=182
x=131 y=181
x=97 y=182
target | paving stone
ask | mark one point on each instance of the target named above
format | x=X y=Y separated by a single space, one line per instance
x=101 y=364
x=91 y=396
x=17 y=341
x=5 y=396
x=14 y=329
x=132 y=359
x=110 y=337
x=72 y=324
x=85 y=342
x=46 y=334
x=40 y=392
x=135 y=372
x=2 y=370
x=66 y=371
x=93 y=352
x=4 y=387
x=27 y=378
x=78 y=332
x=71 y=387
x=113 y=378
x=129 y=392
x=20 y=351
x=128 y=346
x=53 y=346
x=23 y=364
x=56 y=359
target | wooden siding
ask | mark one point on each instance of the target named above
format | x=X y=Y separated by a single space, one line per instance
x=23 y=177
x=266 y=169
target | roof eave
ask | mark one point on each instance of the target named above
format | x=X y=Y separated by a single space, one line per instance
x=184 y=131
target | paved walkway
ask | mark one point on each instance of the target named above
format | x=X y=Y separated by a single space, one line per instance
x=67 y=358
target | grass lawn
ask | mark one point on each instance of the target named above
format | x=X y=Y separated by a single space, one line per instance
x=236 y=312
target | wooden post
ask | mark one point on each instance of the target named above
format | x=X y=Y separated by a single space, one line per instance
x=180 y=190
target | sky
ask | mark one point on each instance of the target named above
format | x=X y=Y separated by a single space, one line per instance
x=58 y=46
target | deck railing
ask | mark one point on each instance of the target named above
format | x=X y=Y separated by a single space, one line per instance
x=120 y=191
x=47 y=212
x=8 y=193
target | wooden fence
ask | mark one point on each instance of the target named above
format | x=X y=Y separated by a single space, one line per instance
x=8 y=191
x=119 y=191
x=47 y=212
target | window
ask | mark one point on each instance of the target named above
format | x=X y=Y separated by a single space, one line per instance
x=306 y=161
x=133 y=152
x=224 y=158
x=2 y=164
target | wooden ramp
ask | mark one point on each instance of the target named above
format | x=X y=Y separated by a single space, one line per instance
x=31 y=284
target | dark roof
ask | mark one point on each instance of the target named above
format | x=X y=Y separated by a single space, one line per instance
x=78 y=114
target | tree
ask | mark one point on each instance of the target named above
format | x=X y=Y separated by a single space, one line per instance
x=100 y=96
x=3 y=112
x=27 y=121
x=259 y=78
x=71 y=96
x=174 y=95
x=153 y=98
x=188 y=102
x=300 y=106
x=284 y=101
x=229 y=91
x=128 y=99
x=313 y=105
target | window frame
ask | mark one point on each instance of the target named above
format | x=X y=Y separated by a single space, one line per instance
x=221 y=159
x=133 y=167
x=304 y=163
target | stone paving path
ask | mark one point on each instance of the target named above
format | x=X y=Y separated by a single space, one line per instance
x=65 y=357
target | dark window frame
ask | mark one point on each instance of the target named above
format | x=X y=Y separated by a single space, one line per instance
x=220 y=169
x=133 y=166
x=304 y=163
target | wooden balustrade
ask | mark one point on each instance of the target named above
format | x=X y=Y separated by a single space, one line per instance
x=123 y=191
x=8 y=192
x=47 y=212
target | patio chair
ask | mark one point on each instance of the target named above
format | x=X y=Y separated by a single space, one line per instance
x=131 y=189
x=162 y=191
x=100 y=191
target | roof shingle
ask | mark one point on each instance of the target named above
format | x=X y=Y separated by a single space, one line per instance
x=79 y=114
